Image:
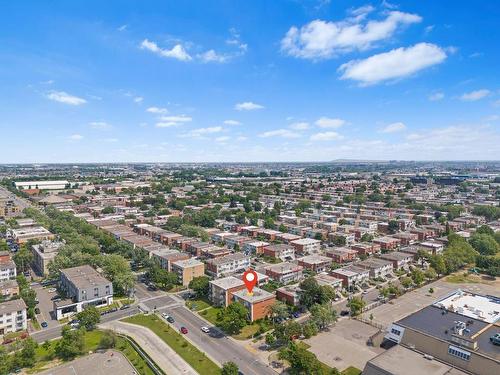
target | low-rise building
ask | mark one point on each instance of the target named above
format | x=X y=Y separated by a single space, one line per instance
x=166 y=257
x=399 y=259
x=315 y=263
x=13 y=316
x=9 y=288
x=254 y=247
x=387 y=243
x=341 y=254
x=325 y=279
x=220 y=290
x=228 y=265
x=24 y=234
x=187 y=270
x=283 y=252
x=43 y=254
x=83 y=286
x=285 y=272
x=366 y=248
x=7 y=269
x=377 y=267
x=351 y=275
x=258 y=303
x=289 y=294
x=306 y=246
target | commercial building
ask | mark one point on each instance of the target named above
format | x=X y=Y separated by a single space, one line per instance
x=43 y=254
x=42 y=185
x=13 y=316
x=83 y=286
x=257 y=303
x=187 y=270
x=456 y=329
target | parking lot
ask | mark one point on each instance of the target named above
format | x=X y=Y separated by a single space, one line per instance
x=45 y=305
x=110 y=362
x=410 y=302
x=345 y=345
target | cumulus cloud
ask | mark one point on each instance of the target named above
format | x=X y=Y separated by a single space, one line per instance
x=434 y=97
x=177 y=52
x=212 y=56
x=157 y=110
x=231 y=122
x=326 y=136
x=171 y=121
x=196 y=133
x=324 y=39
x=394 y=127
x=333 y=123
x=247 y=106
x=64 y=97
x=397 y=63
x=299 y=126
x=282 y=133
x=475 y=95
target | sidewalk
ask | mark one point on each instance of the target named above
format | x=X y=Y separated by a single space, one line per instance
x=164 y=356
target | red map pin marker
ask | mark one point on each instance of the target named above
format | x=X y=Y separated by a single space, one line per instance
x=250 y=279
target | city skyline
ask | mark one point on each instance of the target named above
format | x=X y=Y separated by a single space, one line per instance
x=199 y=82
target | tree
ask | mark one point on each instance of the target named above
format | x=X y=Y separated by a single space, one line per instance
x=23 y=258
x=310 y=329
x=406 y=282
x=117 y=269
x=485 y=229
x=356 y=305
x=278 y=311
x=485 y=244
x=200 y=285
x=71 y=344
x=109 y=339
x=229 y=368
x=438 y=264
x=89 y=317
x=301 y=360
x=393 y=226
x=417 y=276
x=270 y=339
x=431 y=273
x=27 y=355
x=108 y=210
x=312 y=293
x=367 y=237
x=282 y=228
x=323 y=315
x=287 y=332
x=233 y=318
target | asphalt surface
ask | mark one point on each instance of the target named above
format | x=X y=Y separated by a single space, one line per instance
x=215 y=344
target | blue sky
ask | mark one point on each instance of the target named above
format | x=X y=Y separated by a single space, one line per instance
x=170 y=81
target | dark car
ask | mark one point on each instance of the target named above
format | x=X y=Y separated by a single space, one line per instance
x=184 y=330
x=37 y=310
x=170 y=319
x=344 y=313
x=44 y=324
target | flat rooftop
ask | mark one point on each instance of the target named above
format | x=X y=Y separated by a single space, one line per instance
x=484 y=308
x=257 y=295
x=84 y=277
x=228 y=282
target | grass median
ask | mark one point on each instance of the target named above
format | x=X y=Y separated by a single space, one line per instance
x=194 y=357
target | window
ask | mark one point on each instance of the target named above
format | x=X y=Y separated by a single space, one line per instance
x=396 y=331
x=457 y=352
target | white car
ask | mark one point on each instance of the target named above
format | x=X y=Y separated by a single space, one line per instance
x=205 y=329
x=51 y=290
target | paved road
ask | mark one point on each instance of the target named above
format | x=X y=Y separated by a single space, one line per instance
x=216 y=345
x=164 y=356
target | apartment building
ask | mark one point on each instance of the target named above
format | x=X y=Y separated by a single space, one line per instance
x=387 y=243
x=281 y=251
x=257 y=303
x=220 y=290
x=187 y=270
x=254 y=247
x=9 y=288
x=83 y=286
x=166 y=257
x=228 y=265
x=7 y=269
x=366 y=248
x=13 y=316
x=351 y=275
x=24 y=234
x=306 y=246
x=341 y=254
x=285 y=272
x=289 y=294
x=376 y=267
x=400 y=260
x=43 y=254
x=315 y=263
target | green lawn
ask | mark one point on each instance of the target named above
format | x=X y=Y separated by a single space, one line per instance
x=461 y=278
x=210 y=314
x=197 y=359
x=352 y=371
x=139 y=363
x=198 y=304
x=247 y=331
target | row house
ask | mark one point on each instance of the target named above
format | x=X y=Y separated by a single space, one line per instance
x=341 y=254
x=315 y=263
x=228 y=265
x=282 y=251
x=285 y=273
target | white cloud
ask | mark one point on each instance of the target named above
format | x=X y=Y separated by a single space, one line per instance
x=326 y=136
x=196 y=133
x=397 y=63
x=247 y=106
x=222 y=139
x=167 y=124
x=64 y=97
x=232 y=122
x=436 y=96
x=299 y=126
x=138 y=99
x=178 y=118
x=283 y=133
x=212 y=56
x=177 y=52
x=157 y=110
x=322 y=39
x=100 y=125
x=75 y=137
x=326 y=122
x=394 y=127
x=475 y=95
x=122 y=28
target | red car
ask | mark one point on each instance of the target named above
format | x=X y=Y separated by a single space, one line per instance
x=184 y=330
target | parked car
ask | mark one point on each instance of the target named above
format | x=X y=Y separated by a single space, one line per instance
x=184 y=330
x=170 y=319
x=51 y=290
x=344 y=313
x=205 y=329
x=37 y=310
x=44 y=324
x=124 y=307
x=495 y=339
